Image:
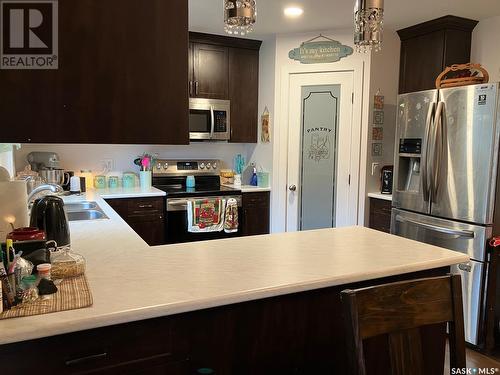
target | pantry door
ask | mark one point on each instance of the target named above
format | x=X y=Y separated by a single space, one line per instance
x=319 y=151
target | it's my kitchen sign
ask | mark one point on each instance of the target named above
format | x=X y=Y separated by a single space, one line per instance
x=327 y=51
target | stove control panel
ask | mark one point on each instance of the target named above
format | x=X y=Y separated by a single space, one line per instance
x=186 y=167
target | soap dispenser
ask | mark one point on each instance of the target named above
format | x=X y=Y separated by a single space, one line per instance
x=253 y=181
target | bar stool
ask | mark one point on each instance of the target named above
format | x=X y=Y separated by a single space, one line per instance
x=398 y=310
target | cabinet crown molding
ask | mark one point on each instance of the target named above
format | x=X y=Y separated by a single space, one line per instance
x=442 y=23
x=226 y=41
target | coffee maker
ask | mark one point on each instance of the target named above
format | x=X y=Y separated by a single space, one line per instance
x=386 y=179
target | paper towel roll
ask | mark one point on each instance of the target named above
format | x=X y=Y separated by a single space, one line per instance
x=13 y=206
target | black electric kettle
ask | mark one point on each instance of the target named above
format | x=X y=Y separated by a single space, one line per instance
x=48 y=215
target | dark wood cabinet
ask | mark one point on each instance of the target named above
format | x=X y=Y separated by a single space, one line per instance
x=380 y=214
x=121 y=78
x=227 y=68
x=146 y=216
x=428 y=48
x=210 y=76
x=244 y=93
x=255 y=212
x=299 y=333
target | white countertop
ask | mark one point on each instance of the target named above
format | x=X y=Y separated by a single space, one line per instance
x=248 y=188
x=131 y=281
x=379 y=195
x=136 y=192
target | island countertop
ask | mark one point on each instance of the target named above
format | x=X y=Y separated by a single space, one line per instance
x=132 y=281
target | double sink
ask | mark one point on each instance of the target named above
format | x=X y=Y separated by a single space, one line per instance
x=84 y=210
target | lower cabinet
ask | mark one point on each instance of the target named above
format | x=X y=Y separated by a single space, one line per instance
x=380 y=214
x=144 y=215
x=300 y=333
x=255 y=213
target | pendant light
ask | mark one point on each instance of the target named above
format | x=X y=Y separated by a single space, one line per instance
x=239 y=16
x=368 y=25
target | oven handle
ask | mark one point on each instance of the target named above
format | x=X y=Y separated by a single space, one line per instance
x=212 y=119
x=180 y=204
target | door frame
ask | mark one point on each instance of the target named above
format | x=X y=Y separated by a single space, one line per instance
x=342 y=158
x=358 y=138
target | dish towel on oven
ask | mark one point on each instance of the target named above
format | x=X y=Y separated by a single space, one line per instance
x=231 y=216
x=205 y=215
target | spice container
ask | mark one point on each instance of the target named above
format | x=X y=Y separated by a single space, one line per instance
x=44 y=270
x=66 y=263
x=30 y=292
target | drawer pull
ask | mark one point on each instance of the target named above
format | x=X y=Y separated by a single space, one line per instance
x=145 y=206
x=89 y=358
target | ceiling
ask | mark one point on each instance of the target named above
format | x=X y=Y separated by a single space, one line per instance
x=206 y=15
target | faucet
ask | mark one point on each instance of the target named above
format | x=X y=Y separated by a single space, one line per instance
x=51 y=187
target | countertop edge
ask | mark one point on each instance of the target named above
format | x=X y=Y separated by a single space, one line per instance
x=150 y=312
x=378 y=195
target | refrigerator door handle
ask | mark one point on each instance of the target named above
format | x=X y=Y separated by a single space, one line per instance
x=437 y=228
x=437 y=150
x=425 y=155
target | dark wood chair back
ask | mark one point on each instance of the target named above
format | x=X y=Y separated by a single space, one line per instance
x=398 y=310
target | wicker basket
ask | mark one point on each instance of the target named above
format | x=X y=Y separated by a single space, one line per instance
x=442 y=81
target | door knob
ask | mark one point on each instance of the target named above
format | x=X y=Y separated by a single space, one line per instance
x=292 y=188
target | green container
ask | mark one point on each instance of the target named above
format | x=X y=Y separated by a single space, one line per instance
x=263 y=179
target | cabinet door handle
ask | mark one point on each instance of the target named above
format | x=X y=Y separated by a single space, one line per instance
x=145 y=206
x=89 y=358
x=196 y=87
x=190 y=88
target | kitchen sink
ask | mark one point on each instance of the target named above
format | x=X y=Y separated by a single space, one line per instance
x=84 y=211
x=86 y=215
x=80 y=206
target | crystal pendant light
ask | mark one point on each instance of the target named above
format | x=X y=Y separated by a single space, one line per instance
x=239 y=16
x=368 y=25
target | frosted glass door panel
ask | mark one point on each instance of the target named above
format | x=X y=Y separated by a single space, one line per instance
x=319 y=156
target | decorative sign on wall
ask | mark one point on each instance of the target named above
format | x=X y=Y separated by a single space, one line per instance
x=378 y=122
x=377 y=149
x=265 y=122
x=377 y=133
x=324 y=51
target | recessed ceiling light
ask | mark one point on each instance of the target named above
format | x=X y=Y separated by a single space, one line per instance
x=293 y=11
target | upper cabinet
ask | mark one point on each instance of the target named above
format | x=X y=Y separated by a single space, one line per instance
x=210 y=75
x=223 y=67
x=121 y=78
x=428 y=48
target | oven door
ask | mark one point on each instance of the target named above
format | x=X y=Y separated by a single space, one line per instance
x=177 y=222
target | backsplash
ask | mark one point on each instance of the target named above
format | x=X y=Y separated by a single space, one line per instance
x=75 y=157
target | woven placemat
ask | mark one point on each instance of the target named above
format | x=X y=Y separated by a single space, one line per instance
x=72 y=294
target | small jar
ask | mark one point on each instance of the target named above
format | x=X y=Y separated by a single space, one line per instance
x=44 y=270
x=30 y=291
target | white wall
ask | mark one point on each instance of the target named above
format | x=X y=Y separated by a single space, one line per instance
x=284 y=43
x=7 y=162
x=384 y=75
x=77 y=157
x=485 y=50
x=262 y=153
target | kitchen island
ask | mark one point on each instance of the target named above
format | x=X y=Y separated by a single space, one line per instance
x=261 y=304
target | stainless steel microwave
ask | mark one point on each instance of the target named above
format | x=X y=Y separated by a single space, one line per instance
x=209 y=119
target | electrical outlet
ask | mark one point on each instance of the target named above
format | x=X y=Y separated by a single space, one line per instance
x=374 y=167
x=108 y=164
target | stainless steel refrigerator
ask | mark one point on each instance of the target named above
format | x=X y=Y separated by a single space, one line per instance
x=445 y=176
